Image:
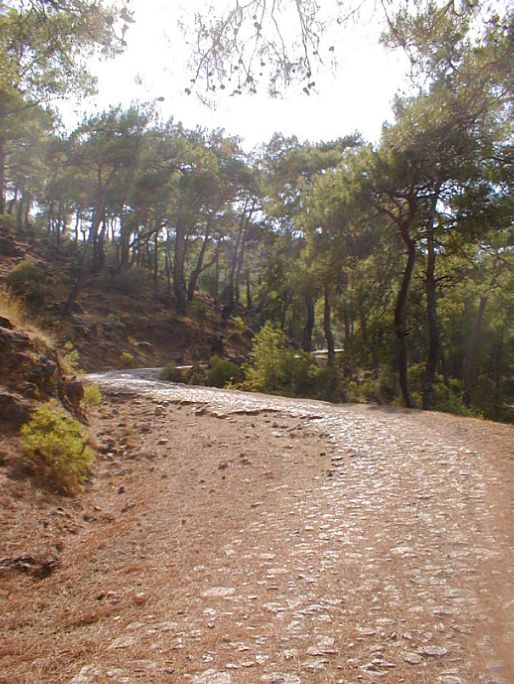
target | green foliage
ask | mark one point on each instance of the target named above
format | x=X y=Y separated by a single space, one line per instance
x=446 y=399
x=329 y=385
x=223 y=372
x=170 y=373
x=277 y=369
x=130 y=282
x=72 y=358
x=196 y=375
x=54 y=444
x=126 y=359
x=29 y=281
x=45 y=44
x=239 y=325
x=379 y=387
x=92 y=395
x=269 y=356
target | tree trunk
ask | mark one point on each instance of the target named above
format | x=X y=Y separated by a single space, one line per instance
x=19 y=213
x=215 y=290
x=77 y=288
x=27 y=210
x=443 y=365
x=347 y=329
x=100 y=251
x=231 y=289
x=179 y=283
x=498 y=358
x=363 y=322
x=96 y=236
x=249 y=302
x=193 y=280
x=327 y=325
x=433 y=325
x=50 y=221
x=239 y=268
x=168 y=273
x=285 y=308
x=156 y=263
x=12 y=203
x=2 y=173
x=309 y=323
x=399 y=315
x=472 y=348
x=77 y=223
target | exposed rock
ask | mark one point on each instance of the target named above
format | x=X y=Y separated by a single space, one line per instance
x=433 y=651
x=123 y=642
x=219 y=592
x=74 y=393
x=213 y=677
x=14 y=408
x=36 y=566
x=31 y=372
x=45 y=374
x=146 y=347
x=281 y=678
x=87 y=675
x=413 y=658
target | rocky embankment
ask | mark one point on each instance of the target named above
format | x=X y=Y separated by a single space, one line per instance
x=30 y=373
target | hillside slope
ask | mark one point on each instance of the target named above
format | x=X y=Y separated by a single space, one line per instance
x=118 y=319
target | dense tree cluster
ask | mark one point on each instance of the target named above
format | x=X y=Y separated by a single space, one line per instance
x=399 y=253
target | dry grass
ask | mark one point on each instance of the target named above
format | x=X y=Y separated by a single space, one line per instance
x=13 y=309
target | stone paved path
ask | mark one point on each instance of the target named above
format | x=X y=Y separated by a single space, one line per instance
x=292 y=542
x=394 y=568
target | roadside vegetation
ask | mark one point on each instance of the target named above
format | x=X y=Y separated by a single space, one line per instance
x=54 y=447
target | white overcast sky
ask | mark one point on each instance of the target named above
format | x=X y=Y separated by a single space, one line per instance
x=357 y=97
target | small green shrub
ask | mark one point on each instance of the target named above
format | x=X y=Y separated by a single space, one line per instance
x=239 y=325
x=269 y=352
x=126 y=359
x=54 y=444
x=130 y=282
x=72 y=358
x=170 y=373
x=30 y=281
x=223 y=372
x=196 y=375
x=92 y=395
x=329 y=385
x=277 y=369
x=198 y=308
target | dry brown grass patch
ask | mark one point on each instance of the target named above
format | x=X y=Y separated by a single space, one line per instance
x=14 y=310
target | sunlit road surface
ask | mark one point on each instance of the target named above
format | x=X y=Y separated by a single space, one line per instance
x=395 y=567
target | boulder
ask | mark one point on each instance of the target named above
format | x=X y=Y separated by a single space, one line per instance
x=14 y=408
x=45 y=374
x=74 y=392
x=146 y=347
x=5 y=323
